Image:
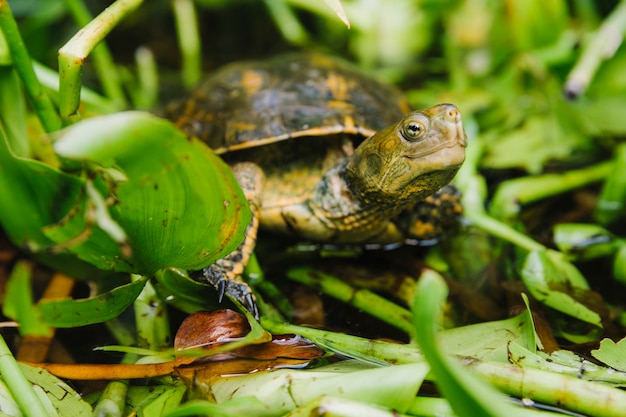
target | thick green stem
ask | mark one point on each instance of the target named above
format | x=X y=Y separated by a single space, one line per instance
x=603 y=44
x=21 y=61
x=365 y=300
x=188 y=40
x=103 y=60
x=73 y=54
x=513 y=194
x=113 y=398
x=21 y=390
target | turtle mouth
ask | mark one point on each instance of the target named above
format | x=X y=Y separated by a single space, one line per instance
x=449 y=144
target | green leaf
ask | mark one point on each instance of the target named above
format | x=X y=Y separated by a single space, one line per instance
x=36 y=195
x=283 y=390
x=564 y=362
x=177 y=202
x=548 y=276
x=468 y=395
x=103 y=307
x=183 y=292
x=58 y=395
x=611 y=353
x=153 y=401
x=489 y=340
x=539 y=140
x=18 y=302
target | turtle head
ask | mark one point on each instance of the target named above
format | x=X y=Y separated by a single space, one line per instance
x=411 y=159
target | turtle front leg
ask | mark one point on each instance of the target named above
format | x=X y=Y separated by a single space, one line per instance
x=428 y=220
x=226 y=274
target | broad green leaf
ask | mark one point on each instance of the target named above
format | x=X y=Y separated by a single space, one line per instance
x=177 y=202
x=489 y=340
x=283 y=390
x=539 y=140
x=536 y=23
x=611 y=353
x=18 y=302
x=186 y=294
x=468 y=395
x=34 y=195
x=103 y=307
x=552 y=280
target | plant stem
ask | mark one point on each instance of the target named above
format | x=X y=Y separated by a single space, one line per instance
x=21 y=60
x=377 y=351
x=188 y=40
x=103 y=60
x=514 y=193
x=602 y=45
x=20 y=388
x=365 y=300
x=72 y=55
x=113 y=398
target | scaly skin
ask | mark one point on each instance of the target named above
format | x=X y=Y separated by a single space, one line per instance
x=358 y=200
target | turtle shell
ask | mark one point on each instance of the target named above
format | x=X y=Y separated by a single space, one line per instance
x=247 y=104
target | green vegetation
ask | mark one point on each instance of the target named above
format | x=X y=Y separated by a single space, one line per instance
x=98 y=189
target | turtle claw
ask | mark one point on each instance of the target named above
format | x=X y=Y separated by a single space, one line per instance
x=220 y=286
x=251 y=306
x=233 y=288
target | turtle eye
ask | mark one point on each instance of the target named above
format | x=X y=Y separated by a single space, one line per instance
x=413 y=130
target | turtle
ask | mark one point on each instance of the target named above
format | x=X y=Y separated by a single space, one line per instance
x=326 y=153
